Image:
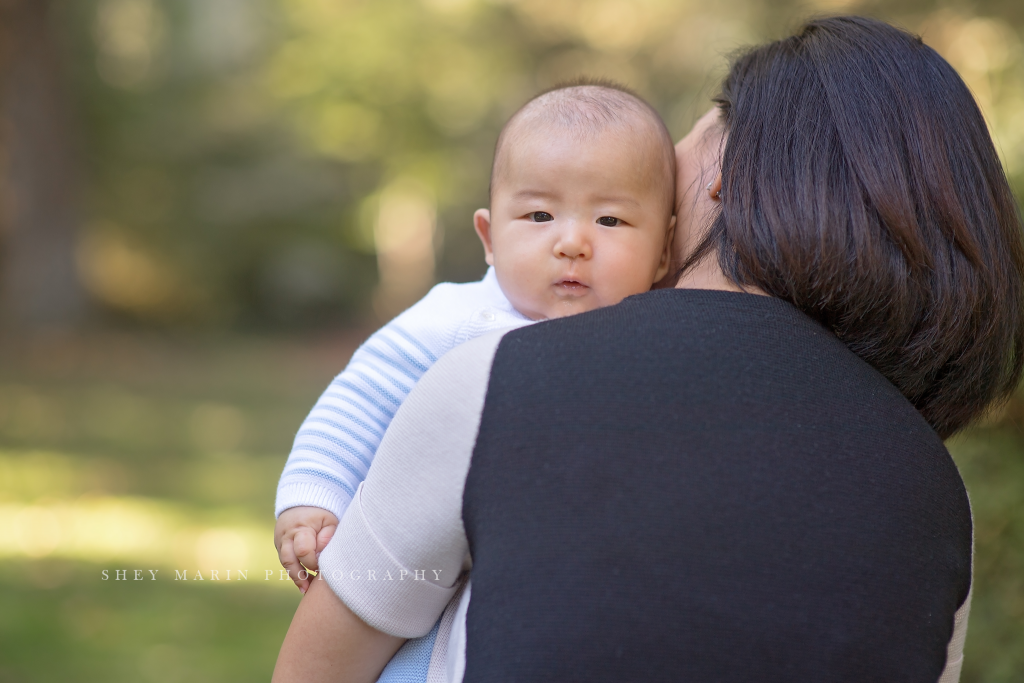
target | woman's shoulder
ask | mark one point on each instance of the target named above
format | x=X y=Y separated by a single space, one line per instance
x=703 y=340
x=681 y=321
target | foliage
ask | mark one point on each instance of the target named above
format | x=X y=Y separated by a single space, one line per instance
x=240 y=159
x=991 y=465
x=236 y=152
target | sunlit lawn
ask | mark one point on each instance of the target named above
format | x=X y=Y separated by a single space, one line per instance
x=143 y=453
x=127 y=453
x=85 y=629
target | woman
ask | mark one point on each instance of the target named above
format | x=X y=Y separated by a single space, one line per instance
x=741 y=478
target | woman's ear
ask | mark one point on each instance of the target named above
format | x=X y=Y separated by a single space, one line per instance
x=666 y=252
x=715 y=188
x=482 y=225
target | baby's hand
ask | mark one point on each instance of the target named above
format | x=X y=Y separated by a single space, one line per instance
x=300 y=534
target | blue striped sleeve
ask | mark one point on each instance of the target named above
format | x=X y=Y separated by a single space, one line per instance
x=334 y=447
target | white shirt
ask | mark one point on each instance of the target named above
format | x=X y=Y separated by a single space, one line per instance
x=337 y=442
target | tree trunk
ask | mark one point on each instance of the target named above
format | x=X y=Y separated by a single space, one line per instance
x=39 y=216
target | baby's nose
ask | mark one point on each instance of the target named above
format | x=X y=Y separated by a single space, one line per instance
x=573 y=244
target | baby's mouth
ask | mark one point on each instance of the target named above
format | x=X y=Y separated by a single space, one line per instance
x=571 y=287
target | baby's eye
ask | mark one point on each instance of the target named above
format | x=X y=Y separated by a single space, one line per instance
x=608 y=221
x=541 y=216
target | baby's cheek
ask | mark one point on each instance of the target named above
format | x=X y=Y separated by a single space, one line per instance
x=525 y=299
x=632 y=276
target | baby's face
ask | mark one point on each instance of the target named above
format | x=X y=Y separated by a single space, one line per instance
x=577 y=225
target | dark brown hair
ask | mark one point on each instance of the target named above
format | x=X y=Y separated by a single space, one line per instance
x=859 y=183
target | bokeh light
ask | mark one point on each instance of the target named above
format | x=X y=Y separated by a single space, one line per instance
x=235 y=192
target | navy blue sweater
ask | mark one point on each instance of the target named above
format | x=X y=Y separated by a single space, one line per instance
x=706 y=486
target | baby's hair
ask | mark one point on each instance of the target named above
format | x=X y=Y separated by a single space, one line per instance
x=586 y=106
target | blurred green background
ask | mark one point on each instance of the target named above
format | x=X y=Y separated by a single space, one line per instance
x=201 y=204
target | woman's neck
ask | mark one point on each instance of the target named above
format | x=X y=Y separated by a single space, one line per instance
x=708 y=275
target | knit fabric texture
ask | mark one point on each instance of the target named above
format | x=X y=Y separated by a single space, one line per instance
x=338 y=440
x=412 y=661
x=706 y=486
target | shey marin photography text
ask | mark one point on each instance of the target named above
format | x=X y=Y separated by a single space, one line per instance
x=268 y=575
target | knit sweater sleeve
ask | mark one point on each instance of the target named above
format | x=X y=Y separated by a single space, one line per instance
x=955 y=649
x=401 y=545
x=337 y=441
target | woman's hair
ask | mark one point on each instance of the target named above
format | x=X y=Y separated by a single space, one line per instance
x=859 y=183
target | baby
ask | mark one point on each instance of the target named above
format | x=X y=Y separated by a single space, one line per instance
x=581 y=216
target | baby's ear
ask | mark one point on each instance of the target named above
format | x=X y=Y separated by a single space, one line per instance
x=482 y=225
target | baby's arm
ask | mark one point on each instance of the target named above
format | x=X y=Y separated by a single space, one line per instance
x=336 y=443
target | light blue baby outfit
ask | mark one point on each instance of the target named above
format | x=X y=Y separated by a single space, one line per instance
x=336 y=443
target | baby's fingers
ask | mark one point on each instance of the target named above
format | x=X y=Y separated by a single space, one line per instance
x=305 y=547
x=290 y=562
x=324 y=537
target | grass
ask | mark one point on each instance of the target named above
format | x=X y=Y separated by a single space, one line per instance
x=991 y=462
x=145 y=453
x=148 y=453
x=86 y=629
